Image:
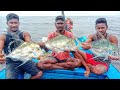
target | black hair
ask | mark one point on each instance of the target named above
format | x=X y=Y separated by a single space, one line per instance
x=59 y=18
x=12 y=16
x=101 y=20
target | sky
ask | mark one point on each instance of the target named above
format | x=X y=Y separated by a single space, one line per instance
x=67 y=13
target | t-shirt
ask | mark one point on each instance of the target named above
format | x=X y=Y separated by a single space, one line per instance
x=61 y=55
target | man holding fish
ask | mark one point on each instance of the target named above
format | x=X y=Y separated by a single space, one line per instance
x=61 y=56
x=100 y=65
x=8 y=42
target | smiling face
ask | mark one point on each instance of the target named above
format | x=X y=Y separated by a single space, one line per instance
x=13 y=24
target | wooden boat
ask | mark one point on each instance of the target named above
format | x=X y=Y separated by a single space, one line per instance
x=77 y=73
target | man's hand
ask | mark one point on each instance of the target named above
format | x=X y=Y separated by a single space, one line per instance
x=67 y=49
x=86 y=45
x=2 y=59
x=87 y=73
x=114 y=57
x=41 y=44
x=70 y=49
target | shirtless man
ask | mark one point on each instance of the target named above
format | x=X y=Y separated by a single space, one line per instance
x=11 y=40
x=101 y=32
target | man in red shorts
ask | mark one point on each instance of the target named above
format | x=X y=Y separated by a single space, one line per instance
x=99 y=65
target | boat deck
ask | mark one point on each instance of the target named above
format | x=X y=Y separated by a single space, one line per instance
x=77 y=73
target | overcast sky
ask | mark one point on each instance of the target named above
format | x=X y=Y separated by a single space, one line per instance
x=67 y=13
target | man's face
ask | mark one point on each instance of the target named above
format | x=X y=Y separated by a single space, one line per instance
x=101 y=27
x=60 y=25
x=13 y=24
x=69 y=25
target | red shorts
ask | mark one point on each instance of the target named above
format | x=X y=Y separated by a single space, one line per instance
x=91 y=61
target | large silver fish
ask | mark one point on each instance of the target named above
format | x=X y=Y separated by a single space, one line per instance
x=104 y=48
x=26 y=51
x=60 y=43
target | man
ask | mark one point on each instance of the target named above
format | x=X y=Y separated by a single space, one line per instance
x=64 y=59
x=101 y=28
x=69 y=25
x=8 y=42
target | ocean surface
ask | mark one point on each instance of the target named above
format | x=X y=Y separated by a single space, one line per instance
x=40 y=26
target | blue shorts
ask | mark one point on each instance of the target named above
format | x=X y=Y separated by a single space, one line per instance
x=12 y=72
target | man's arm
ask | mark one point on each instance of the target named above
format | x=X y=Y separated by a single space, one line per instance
x=90 y=37
x=114 y=40
x=2 y=41
x=27 y=37
x=87 y=45
x=81 y=55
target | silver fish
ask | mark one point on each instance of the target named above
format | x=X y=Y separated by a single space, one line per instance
x=104 y=48
x=26 y=51
x=60 y=43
